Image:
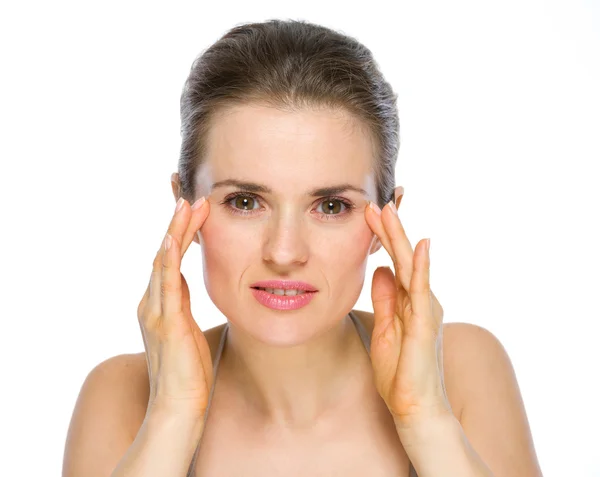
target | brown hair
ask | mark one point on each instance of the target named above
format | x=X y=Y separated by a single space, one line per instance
x=288 y=64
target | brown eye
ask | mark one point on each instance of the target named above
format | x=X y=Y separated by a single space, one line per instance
x=332 y=206
x=243 y=202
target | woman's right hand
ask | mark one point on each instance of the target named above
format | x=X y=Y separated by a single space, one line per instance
x=177 y=353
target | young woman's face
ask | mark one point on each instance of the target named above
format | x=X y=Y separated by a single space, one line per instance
x=269 y=221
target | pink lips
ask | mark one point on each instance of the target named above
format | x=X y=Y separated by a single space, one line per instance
x=284 y=284
x=282 y=302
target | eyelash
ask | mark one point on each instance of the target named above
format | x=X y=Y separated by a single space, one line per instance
x=235 y=211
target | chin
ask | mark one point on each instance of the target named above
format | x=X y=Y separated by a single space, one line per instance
x=286 y=328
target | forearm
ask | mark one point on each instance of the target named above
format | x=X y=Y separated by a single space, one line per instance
x=440 y=448
x=163 y=447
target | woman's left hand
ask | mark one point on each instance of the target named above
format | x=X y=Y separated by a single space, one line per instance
x=406 y=345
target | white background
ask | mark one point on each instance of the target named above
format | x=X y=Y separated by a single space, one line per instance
x=500 y=118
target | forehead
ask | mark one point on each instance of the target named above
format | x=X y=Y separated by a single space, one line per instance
x=303 y=148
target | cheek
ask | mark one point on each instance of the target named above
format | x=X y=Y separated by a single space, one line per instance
x=345 y=256
x=227 y=250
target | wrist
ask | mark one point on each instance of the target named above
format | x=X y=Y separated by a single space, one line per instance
x=166 y=412
x=165 y=418
x=175 y=410
x=423 y=431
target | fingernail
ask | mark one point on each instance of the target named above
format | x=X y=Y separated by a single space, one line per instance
x=168 y=241
x=428 y=244
x=374 y=207
x=198 y=203
x=179 y=204
x=392 y=206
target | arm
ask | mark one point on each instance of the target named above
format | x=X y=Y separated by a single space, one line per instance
x=440 y=448
x=110 y=411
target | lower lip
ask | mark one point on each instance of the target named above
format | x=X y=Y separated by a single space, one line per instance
x=282 y=302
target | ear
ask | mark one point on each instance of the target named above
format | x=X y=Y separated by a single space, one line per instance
x=398 y=194
x=175 y=185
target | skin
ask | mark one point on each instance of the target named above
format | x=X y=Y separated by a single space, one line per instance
x=292 y=370
x=290 y=388
x=352 y=414
x=278 y=377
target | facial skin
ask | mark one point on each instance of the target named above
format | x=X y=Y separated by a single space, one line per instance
x=287 y=234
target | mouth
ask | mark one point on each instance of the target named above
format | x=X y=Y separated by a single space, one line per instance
x=284 y=287
x=284 y=295
x=283 y=292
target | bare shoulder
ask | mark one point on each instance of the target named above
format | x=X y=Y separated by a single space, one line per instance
x=483 y=391
x=110 y=409
x=124 y=381
x=493 y=414
x=100 y=432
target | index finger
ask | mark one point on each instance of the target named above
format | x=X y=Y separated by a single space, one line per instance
x=200 y=211
x=388 y=228
x=400 y=250
x=401 y=247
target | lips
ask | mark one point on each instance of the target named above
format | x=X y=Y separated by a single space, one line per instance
x=284 y=285
x=283 y=302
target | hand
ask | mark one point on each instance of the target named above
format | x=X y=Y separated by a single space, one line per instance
x=406 y=345
x=178 y=356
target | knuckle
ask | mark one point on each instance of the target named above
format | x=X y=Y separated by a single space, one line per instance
x=146 y=312
x=158 y=261
x=141 y=307
x=147 y=317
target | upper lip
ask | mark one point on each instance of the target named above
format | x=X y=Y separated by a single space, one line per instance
x=284 y=285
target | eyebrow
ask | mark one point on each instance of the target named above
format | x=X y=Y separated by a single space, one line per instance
x=319 y=191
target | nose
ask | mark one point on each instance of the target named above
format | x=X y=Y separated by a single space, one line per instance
x=285 y=241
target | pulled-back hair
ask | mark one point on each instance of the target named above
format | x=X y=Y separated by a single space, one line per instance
x=289 y=65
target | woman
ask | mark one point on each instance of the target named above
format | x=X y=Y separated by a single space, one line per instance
x=289 y=144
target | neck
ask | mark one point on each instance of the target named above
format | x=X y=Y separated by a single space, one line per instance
x=294 y=386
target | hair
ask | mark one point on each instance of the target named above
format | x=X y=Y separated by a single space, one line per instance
x=289 y=65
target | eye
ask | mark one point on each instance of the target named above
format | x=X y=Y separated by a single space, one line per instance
x=334 y=207
x=247 y=204
x=331 y=206
x=243 y=202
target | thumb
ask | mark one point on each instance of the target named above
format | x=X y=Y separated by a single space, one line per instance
x=387 y=331
x=383 y=295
